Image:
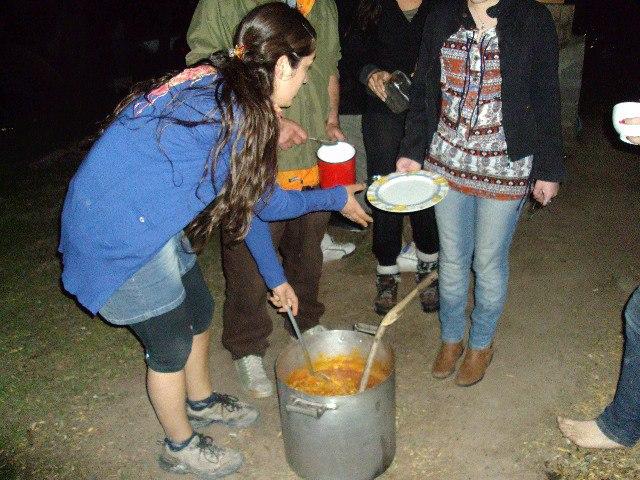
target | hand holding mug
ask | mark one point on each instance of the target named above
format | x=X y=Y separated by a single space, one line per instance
x=632 y=121
x=334 y=132
x=626 y=121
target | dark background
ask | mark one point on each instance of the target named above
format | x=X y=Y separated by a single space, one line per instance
x=612 y=56
x=67 y=62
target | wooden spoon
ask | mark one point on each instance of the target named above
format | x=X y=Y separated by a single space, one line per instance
x=388 y=319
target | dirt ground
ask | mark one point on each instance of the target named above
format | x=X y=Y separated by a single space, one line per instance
x=558 y=349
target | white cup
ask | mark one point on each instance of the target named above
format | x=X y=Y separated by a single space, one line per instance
x=620 y=112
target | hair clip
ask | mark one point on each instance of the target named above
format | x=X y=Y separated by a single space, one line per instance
x=238 y=51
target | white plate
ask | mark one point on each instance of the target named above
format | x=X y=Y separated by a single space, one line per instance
x=407 y=192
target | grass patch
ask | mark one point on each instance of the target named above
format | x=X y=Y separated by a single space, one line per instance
x=53 y=354
x=59 y=363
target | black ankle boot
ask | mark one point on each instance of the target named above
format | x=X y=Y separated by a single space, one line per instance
x=387 y=295
x=429 y=297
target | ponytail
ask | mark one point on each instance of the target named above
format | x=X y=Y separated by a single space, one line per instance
x=247 y=80
x=242 y=94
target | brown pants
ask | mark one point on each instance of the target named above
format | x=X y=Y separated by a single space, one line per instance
x=246 y=322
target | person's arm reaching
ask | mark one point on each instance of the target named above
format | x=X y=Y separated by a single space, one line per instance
x=284 y=204
x=260 y=245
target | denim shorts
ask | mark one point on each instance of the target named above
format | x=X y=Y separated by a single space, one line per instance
x=154 y=289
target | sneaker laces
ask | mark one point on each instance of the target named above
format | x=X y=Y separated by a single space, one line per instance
x=228 y=402
x=209 y=450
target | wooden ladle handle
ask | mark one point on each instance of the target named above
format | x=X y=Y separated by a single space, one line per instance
x=388 y=319
x=396 y=311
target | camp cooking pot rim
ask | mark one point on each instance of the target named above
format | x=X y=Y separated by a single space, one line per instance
x=293 y=342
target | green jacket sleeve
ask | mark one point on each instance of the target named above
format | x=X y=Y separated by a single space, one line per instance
x=325 y=21
x=210 y=29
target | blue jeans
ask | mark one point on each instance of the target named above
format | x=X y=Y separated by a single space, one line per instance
x=474 y=233
x=620 y=421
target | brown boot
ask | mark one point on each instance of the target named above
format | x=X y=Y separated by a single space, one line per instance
x=445 y=362
x=474 y=366
x=387 y=296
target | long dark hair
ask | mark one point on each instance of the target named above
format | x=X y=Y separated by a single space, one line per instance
x=368 y=14
x=245 y=82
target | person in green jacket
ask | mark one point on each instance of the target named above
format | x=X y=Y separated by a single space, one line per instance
x=313 y=113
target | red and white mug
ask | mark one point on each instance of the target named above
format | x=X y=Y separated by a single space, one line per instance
x=337 y=164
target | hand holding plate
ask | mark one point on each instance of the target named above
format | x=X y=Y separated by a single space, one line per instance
x=405 y=192
x=404 y=164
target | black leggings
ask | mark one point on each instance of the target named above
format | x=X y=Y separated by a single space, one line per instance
x=382 y=133
x=167 y=338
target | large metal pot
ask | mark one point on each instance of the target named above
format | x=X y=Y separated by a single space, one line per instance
x=349 y=437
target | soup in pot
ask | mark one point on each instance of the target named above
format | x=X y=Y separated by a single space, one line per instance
x=344 y=372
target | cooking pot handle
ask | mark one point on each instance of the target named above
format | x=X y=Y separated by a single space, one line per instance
x=365 y=328
x=311 y=409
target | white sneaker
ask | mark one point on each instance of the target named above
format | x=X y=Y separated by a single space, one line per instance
x=313 y=330
x=407 y=260
x=332 y=250
x=252 y=376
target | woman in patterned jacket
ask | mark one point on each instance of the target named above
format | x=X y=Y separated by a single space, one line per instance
x=485 y=113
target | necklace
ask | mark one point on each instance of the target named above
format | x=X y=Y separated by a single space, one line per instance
x=482 y=20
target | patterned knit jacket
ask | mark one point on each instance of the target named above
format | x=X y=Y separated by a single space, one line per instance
x=530 y=85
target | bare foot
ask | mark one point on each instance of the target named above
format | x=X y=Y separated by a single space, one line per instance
x=585 y=433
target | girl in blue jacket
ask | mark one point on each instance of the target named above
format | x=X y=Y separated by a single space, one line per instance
x=197 y=150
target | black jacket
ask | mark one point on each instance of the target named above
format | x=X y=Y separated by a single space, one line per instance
x=530 y=88
x=352 y=93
